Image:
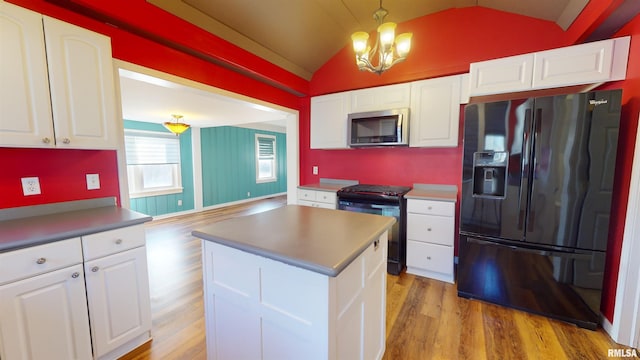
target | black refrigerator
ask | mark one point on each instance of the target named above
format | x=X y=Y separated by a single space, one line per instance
x=537 y=179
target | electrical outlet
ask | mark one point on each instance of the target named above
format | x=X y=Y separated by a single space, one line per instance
x=93 y=181
x=315 y=170
x=248 y=194
x=30 y=186
x=179 y=202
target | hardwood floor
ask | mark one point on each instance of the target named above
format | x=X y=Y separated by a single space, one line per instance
x=425 y=318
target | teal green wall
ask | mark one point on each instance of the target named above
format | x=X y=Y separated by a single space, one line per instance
x=229 y=165
x=166 y=204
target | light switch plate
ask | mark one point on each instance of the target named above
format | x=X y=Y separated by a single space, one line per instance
x=93 y=181
x=30 y=186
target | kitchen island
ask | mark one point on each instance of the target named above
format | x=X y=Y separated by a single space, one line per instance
x=296 y=283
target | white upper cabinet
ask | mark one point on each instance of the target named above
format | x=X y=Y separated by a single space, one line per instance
x=381 y=98
x=435 y=112
x=589 y=63
x=329 y=121
x=25 y=118
x=503 y=75
x=82 y=86
x=73 y=104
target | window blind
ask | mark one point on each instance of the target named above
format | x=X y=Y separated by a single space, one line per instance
x=266 y=147
x=145 y=149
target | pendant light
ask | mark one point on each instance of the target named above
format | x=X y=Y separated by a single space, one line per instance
x=391 y=49
x=176 y=126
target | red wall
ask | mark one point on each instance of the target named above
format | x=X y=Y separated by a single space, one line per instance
x=445 y=43
x=62 y=175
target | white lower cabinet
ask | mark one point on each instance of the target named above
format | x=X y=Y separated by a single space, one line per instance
x=115 y=264
x=317 y=198
x=43 y=306
x=45 y=289
x=119 y=303
x=257 y=308
x=430 y=238
x=45 y=317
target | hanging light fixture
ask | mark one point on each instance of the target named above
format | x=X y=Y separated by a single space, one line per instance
x=176 y=127
x=390 y=52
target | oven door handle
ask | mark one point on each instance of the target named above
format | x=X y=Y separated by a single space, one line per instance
x=373 y=206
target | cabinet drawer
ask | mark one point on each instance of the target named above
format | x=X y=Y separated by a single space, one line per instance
x=306 y=194
x=307 y=203
x=430 y=257
x=431 y=228
x=112 y=241
x=326 y=197
x=375 y=255
x=316 y=204
x=443 y=208
x=24 y=263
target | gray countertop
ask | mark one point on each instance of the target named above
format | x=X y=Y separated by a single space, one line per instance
x=329 y=184
x=433 y=192
x=320 y=240
x=67 y=222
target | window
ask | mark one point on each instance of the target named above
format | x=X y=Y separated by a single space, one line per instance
x=153 y=163
x=265 y=158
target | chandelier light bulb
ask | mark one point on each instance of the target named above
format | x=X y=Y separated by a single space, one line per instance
x=403 y=44
x=360 y=40
x=387 y=35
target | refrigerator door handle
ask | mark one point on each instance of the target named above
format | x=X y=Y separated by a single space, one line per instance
x=562 y=254
x=531 y=216
x=524 y=169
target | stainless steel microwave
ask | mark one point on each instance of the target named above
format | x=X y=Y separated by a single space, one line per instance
x=379 y=128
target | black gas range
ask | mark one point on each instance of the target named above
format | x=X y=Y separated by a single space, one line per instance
x=373 y=192
x=382 y=200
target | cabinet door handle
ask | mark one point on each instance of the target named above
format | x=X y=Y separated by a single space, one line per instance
x=66 y=141
x=95 y=269
x=119 y=241
x=46 y=140
x=428 y=257
x=428 y=229
x=75 y=275
x=41 y=261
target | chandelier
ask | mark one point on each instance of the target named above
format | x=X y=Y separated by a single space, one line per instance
x=390 y=52
x=176 y=127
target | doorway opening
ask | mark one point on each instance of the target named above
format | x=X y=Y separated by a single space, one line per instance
x=150 y=97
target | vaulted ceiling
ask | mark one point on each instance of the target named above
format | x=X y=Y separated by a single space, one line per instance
x=301 y=35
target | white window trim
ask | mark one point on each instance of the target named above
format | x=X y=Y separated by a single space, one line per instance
x=274 y=178
x=177 y=176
